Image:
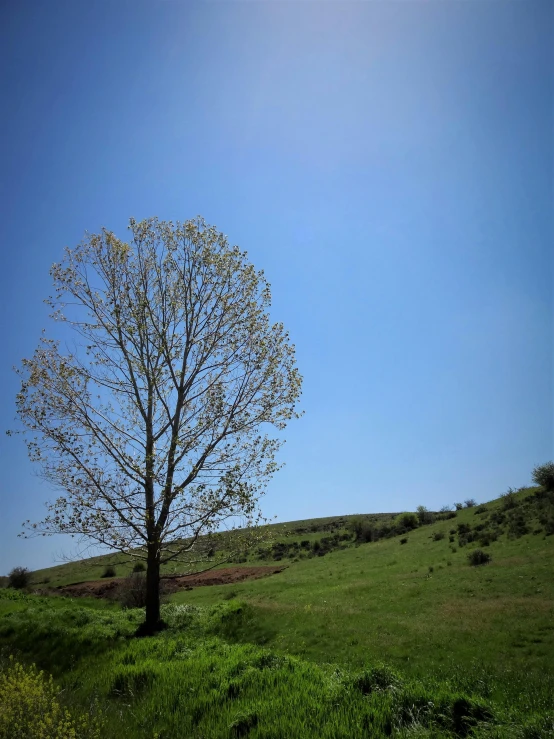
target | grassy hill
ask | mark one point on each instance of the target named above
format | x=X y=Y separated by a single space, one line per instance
x=468 y=650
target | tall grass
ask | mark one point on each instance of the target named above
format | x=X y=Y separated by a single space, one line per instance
x=190 y=682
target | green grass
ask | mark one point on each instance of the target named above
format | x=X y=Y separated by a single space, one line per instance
x=469 y=650
x=379 y=601
x=310 y=529
x=190 y=681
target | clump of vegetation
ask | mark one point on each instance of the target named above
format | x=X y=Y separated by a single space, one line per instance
x=458 y=506
x=406 y=522
x=424 y=516
x=543 y=475
x=438 y=535
x=509 y=499
x=470 y=503
x=109 y=571
x=139 y=567
x=478 y=557
x=19 y=578
x=31 y=708
x=131 y=592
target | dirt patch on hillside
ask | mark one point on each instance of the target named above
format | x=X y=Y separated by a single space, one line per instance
x=108 y=588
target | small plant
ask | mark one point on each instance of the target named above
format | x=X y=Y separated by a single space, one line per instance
x=543 y=475
x=480 y=509
x=431 y=569
x=438 y=535
x=131 y=592
x=404 y=539
x=109 y=571
x=139 y=567
x=458 y=506
x=19 y=578
x=470 y=503
x=478 y=557
x=31 y=707
x=509 y=499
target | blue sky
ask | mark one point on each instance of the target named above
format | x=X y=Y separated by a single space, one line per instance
x=388 y=164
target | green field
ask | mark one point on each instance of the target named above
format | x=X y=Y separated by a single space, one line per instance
x=399 y=636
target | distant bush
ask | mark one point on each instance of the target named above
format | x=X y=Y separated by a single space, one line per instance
x=406 y=522
x=517 y=525
x=478 y=557
x=363 y=531
x=470 y=503
x=509 y=499
x=487 y=537
x=139 y=567
x=19 y=578
x=438 y=535
x=480 y=509
x=458 y=506
x=424 y=516
x=131 y=592
x=404 y=540
x=543 y=475
x=109 y=571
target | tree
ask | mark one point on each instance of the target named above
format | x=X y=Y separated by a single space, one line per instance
x=424 y=516
x=406 y=521
x=543 y=475
x=153 y=424
x=19 y=578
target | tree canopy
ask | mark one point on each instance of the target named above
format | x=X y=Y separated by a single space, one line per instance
x=154 y=422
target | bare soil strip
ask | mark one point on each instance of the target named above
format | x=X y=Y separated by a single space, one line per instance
x=107 y=588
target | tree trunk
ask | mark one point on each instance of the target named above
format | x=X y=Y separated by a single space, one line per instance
x=153 y=622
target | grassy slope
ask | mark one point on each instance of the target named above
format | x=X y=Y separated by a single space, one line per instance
x=379 y=601
x=92 y=568
x=486 y=632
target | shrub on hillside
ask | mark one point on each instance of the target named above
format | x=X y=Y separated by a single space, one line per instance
x=487 y=537
x=445 y=515
x=131 y=592
x=19 y=578
x=406 y=522
x=139 y=567
x=543 y=475
x=509 y=499
x=458 y=506
x=438 y=535
x=470 y=503
x=424 y=516
x=363 y=531
x=478 y=557
x=404 y=540
x=109 y=571
x=517 y=526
